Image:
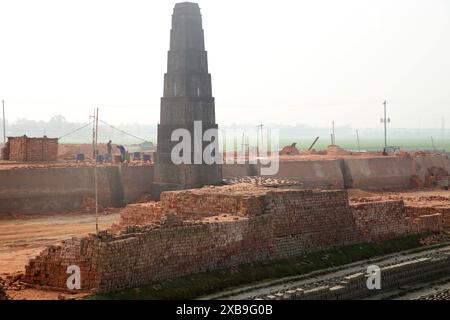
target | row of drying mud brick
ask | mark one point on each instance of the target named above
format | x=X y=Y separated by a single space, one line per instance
x=291 y=222
x=354 y=286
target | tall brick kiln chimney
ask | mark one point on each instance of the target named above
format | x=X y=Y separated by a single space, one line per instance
x=187 y=98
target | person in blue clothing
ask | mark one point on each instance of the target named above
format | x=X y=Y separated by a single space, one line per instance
x=123 y=152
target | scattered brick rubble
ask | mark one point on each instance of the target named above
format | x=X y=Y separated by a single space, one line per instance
x=10 y=282
x=264 y=181
x=3 y=295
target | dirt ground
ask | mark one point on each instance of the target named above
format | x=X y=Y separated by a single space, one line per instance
x=24 y=238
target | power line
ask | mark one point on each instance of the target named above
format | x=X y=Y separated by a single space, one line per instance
x=76 y=130
x=124 y=132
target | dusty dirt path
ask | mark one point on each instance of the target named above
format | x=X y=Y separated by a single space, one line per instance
x=22 y=239
x=25 y=237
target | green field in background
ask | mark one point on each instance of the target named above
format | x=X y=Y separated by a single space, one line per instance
x=371 y=144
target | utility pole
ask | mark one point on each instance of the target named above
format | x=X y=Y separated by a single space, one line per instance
x=93 y=137
x=333 y=136
x=4 y=122
x=385 y=120
x=357 y=138
x=95 y=169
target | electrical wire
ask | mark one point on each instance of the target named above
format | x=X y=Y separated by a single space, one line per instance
x=76 y=130
x=124 y=132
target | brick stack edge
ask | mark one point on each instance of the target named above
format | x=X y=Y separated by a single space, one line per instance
x=190 y=232
x=31 y=149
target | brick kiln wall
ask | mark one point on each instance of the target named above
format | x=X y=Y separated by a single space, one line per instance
x=32 y=149
x=381 y=220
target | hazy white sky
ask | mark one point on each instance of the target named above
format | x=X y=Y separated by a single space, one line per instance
x=285 y=61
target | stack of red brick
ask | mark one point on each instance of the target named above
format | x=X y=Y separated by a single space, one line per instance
x=50 y=267
x=427 y=223
x=138 y=215
x=191 y=204
x=259 y=225
x=385 y=219
x=423 y=212
x=31 y=149
x=381 y=220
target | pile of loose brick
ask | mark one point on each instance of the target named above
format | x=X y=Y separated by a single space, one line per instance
x=31 y=149
x=3 y=295
x=204 y=229
x=50 y=267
